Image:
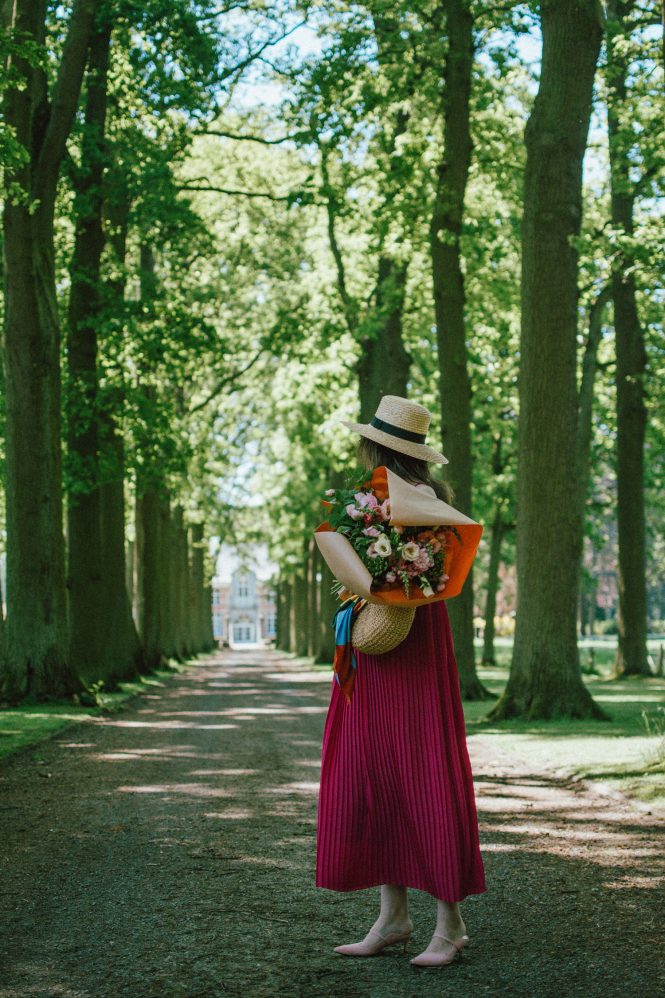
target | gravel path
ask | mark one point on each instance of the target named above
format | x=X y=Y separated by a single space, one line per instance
x=169 y=850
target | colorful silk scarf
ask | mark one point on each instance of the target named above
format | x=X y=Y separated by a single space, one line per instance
x=344 y=663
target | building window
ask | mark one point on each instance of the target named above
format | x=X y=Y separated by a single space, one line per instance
x=242 y=586
x=243 y=632
x=271 y=625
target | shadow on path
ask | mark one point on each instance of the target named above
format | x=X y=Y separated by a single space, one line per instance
x=169 y=850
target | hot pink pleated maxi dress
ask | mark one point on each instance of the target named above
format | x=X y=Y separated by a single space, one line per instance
x=396 y=801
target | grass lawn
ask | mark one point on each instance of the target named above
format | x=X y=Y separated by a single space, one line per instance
x=626 y=753
x=28 y=723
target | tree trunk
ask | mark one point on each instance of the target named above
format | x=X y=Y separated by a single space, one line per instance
x=301 y=611
x=328 y=604
x=196 y=546
x=36 y=634
x=500 y=528
x=191 y=597
x=207 y=618
x=545 y=679
x=2 y=629
x=292 y=594
x=280 y=637
x=585 y=416
x=383 y=365
x=314 y=610
x=631 y=361
x=449 y=308
x=180 y=557
x=122 y=643
x=167 y=573
x=586 y=394
x=148 y=549
x=122 y=651
x=130 y=570
x=86 y=568
x=498 y=532
x=286 y=643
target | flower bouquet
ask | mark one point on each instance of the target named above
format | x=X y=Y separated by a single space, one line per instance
x=391 y=542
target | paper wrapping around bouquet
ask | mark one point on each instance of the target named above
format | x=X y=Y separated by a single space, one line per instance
x=409 y=507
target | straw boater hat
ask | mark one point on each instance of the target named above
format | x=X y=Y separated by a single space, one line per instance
x=401 y=425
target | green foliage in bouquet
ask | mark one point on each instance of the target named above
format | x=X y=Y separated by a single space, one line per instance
x=406 y=554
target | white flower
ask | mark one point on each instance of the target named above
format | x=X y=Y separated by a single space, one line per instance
x=426 y=587
x=383 y=546
x=410 y=551
x=330 y=492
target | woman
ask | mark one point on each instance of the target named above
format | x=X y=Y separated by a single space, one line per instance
x=396 y=803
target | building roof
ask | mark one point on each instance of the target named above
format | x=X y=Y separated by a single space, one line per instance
x=253 y=557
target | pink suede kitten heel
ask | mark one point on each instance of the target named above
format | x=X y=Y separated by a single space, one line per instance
x=438 y=959
x=375 y=946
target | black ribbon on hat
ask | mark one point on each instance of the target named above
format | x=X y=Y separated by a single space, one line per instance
x=397 y=431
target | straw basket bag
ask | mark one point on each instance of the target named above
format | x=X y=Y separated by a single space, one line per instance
x=378 y=629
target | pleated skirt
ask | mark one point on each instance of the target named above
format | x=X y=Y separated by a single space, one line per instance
x=396 y=800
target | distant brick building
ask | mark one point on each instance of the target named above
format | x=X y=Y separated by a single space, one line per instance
x=244 y=613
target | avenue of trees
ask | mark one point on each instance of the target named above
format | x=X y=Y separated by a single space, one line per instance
x=228 y=226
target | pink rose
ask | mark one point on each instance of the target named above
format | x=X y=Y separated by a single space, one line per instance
x=353 y=512
x=366 y=500
x=371 y=531
x=384 y=509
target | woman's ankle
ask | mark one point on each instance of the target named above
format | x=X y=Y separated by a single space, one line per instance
x=451 y=928
x=394 y=906
x=398 y=922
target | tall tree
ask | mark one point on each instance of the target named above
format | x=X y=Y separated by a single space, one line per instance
x=86 y=569
x=41 y=118
x=449 y=304
x=122 y=647
x=631 y=360
x=383 y=364
x=545 y=678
